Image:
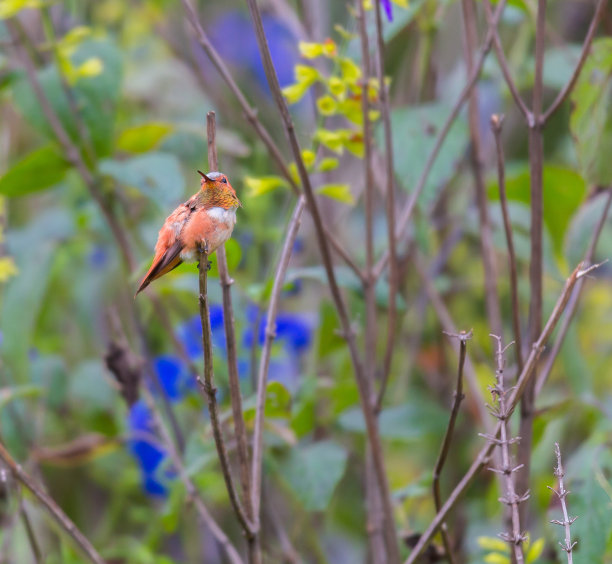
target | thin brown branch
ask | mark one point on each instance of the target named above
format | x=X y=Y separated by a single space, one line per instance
x=496 y=126
x=364 y=385
x=393 y=279
x=476 y=161
x=463 y=338
x=192 y=492
x=264 y=361
x=232 y=362
x=27 y=524
x=52 y=507
x=573 y=302
x=516 y=394
x=503 y=64
x=562 y=493
x=536 y=164
x=515 y=538
x=209 y=391
x=251 y=115
x=586 y=47
x=477 y=403
x=408 y=210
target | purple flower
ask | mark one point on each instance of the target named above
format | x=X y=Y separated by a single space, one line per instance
x=386 y=4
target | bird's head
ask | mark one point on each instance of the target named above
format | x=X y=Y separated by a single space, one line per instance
x=217 y=191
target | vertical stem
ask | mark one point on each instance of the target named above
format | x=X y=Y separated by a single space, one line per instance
x=393 y=278
x=232 y=362
x=209 y=391
x=536 y=156
x=363 y=383
x=496 y=126
x=476 y=154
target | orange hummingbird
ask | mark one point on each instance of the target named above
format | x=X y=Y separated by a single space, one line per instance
x=206 y=220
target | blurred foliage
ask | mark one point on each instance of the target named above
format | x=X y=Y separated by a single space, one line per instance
x=132 y=88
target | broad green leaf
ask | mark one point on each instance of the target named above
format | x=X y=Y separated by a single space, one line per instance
x=327 y=164
x=534 y=551
x=338 y=192
x=144 y=137
x=407 y=422
x=415 y=130
x=96 y=96
x=313 y=472
x=233 y=254
x=16 y=392
x=156 y=175
x=591 y=118
x=90 y=386
x=39 y=170
x=563 y=192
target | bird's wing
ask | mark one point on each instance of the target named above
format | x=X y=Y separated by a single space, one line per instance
x=169 y=245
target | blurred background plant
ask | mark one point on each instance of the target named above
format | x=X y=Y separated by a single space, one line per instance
x=130 y=85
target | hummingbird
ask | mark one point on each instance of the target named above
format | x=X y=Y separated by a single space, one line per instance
x=205 y=221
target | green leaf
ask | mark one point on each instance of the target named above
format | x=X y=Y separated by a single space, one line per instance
x=563 y=192
x=156 y=175
x=233 y=254
x=535 y=551
x=327 y=164
x=591 y=118
x=414 y=133
x=313 y=472
x=17 y=392
x=143 y=138
x=96 y=96
x=41 y=169
x=408 y=422
x=278 y=400
x=264 y=184
x=338 y=192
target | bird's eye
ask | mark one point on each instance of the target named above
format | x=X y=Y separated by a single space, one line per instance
x=224 y=180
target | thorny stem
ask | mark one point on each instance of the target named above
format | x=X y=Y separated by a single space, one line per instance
x=406 y=214
x=64 y=522
x=209 y=391
x=496 y=126
x=573 y=302
x=515 y=397
x=562 y=493
x=264 y=361
x=393 y=279
x=232 y=362
x=364 y=385
x=476 y=161
x=510 y=498
x=463 y=338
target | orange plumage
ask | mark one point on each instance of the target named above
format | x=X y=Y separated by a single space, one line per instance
x=206 y=219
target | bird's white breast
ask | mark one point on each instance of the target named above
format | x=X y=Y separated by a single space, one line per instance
x=224 y=216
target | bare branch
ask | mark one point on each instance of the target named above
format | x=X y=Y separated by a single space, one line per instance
x=264 y=361
x=52 y=507
x=232 y=362
x=496 y=126
x=209 y=391
x=393 y=279
x=573 y=303
x=586 y=47
x=463 y=338
x=515 y=396
x=364 y=385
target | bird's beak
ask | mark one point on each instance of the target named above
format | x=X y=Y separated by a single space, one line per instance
x=204 y=176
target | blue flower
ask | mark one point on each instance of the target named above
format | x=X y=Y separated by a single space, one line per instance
x=190 y=332
x=98 y=257
x=173 y=377
x=147 y=453
x=388 y=9
x=294 y=330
